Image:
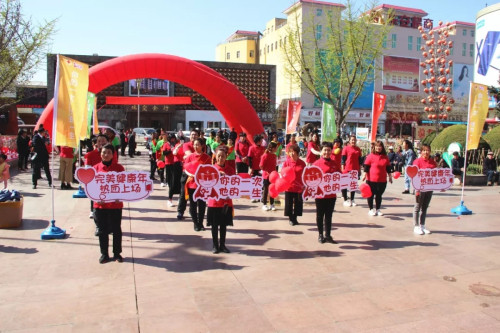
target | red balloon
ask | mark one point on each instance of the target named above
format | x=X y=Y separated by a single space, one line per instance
x=282 y=185
x=272 y=191
x=274 y=176
x=396 y=174
x=288 y=174
x=160 y=164
x=365 y=190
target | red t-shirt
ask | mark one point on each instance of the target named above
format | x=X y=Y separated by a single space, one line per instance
x=229 y=171
x=188 y=146
x=311 y=157
x=169 y=159
x=328 y=166
x=255 y=152
x=180 y=153
x=268 y=162
x=378 y=164
x=100 y=167
x=241 y=150
x=191 y=164
x=423 y=163
x=337 y=158
x=298 y=167
x=352 y=158
x=66 y=152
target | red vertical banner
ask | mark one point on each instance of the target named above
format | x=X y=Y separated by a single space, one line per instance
x=378 y=107
x=292 y=116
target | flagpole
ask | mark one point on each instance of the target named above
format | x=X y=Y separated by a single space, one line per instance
x=373 y=111
x=461 y=209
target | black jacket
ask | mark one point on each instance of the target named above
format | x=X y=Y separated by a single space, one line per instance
x=39 y=147
x=489 y=165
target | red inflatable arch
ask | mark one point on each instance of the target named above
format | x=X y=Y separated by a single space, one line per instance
x=224 y=95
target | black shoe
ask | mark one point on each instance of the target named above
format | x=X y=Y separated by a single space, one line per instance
x=63 y=187
x=50 y=184
x=321 y=239
x=329 y=239
x=96 y=231
x=180 y=216
x=34 y=187
x=290 y=222
x=118 y=258
x=68 y=186
x=196 y=228
x=224 y=249
x=295 y=222
x=406 y=192
x=201 y=227
x=152 y=178
x=215 y=250
x=104 y=259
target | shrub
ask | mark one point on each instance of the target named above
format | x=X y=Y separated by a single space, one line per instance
x=474 y=169
x=429 y=138
x=493 y=138
x=455 y=133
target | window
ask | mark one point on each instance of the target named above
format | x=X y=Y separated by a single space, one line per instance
x=319 y=12
x=280 y=42
x=319 y=29
x=251 y=53
x=472 y=33
x=276 y=45
x=464 y=32
x=464 y=49
x=393 y=42
x=410 y=43
x=384 y=42
x=228 y=56
x=471 y=50
x=268 y=49
x=237 y=54
x=419 y=43
x=272 y=46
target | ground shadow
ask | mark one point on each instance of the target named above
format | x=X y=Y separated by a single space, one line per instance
x=29 y=224
x=374 y=245
x=31 y=194
x=265 y=218
x=13 y=249
x=148 y=210
x=356 y=225
x=471 y=234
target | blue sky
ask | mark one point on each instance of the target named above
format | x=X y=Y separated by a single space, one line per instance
x=186 y=28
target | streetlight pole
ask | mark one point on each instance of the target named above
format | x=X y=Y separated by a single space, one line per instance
x=138 y=83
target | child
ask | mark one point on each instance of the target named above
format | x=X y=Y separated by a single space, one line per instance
x=220 y=212
x=108 y=216
x=293 y=196
x=268 y=164
x=4 y=170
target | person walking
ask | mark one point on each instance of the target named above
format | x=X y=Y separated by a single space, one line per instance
x=66 y=155
x=422 y=199
x=293 y=195
x=183 y=152
x=268 y=165
x=351 y=160
x=131 y=144
x=377 y=169
x=23 y=149
x=123 y=142
x=41 y=159
x=313 y=149
x=241 y=148
x=173 y=167
x=408 y=157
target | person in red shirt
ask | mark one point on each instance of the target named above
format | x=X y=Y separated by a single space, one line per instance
x=108 y=216
x=254 y=155
x=293 y=196
x=191 y=163
x=422 y=199
x=326 y=205
x=336 y=155
x=377 y=170
x=241 y=148
x=268 y=164
x=313 y=150
x=187 y=149
x=220 y=212
x=351 y=157
x=66 y=167
x=173 y=168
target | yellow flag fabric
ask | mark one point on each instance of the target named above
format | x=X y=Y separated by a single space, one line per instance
x=70 y=104
x=478 y=110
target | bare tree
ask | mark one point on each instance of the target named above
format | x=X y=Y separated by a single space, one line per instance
x=335 y=64
x=22 y=44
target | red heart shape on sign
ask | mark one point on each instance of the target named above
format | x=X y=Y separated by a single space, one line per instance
x=411 y=170
x=85 y=175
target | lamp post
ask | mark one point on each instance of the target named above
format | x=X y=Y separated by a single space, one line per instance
x=138 y=83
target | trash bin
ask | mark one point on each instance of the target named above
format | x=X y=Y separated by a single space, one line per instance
x=11 y=213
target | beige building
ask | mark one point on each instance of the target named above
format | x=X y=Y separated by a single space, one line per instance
x=240 y=47
x=402 y=48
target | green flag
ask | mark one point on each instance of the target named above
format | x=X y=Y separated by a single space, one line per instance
x=90 y=111
x=328 y=126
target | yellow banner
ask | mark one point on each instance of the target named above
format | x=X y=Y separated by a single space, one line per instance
x=70 y=107
x=478 y=110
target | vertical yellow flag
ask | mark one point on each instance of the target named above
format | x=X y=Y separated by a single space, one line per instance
x=70 y=104
x=478 y=110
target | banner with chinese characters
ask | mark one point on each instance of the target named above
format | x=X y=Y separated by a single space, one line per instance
x=70 y=102
x=318 y=184
x=292 y=116
x=213 y=185
x=430 y=179
x=328 y=125
x=377 y=108
x=112 y=186
x=478 y=110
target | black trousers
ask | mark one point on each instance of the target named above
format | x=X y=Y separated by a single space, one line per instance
x=196 y=209
x=109 y=221
x=241 y=167
x=22 y=162
x=344 y=194
x=217 y=219
x=173 y=176
x=37 y=166
x=181 y=205
x=324 y=212
x=293 y=205
x=377 y=190
x=265 y=192
x=152 y=166
x=122 y=149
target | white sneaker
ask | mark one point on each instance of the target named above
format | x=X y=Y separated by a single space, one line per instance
x=91 y=215
x=265 y=208
x=418 y=230
x=425 y=231
x=347 y=203
x=162 y=184
x=372 y=212
x=169 y=203
x=353 y=204
x=379 y=213
x=273 y=208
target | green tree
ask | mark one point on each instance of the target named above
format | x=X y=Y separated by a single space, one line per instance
x=336 y=55
x=22 y=44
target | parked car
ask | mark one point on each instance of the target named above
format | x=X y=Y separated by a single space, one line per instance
x=103 y=129
x=143 y=134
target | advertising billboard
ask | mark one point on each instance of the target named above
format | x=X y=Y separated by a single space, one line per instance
x=149 y=87
x=487 y=57
x=462 y=77
x=401 y=74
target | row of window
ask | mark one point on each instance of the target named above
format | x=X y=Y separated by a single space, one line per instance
x=251 y=54
x=464 y=32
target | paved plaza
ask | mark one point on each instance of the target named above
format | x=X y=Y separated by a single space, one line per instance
x=379 y=278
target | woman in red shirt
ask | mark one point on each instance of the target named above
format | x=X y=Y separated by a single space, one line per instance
x=313 y=150
x=191 y=163
x=377 y=170
x=108 y=216
x=66 y=167
x=173 y=168
x=351 y=157
x=422 y=199
x=326 y=205
x=220 y=212
x=293 y=196
x=268 y=164
x=254 y=155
